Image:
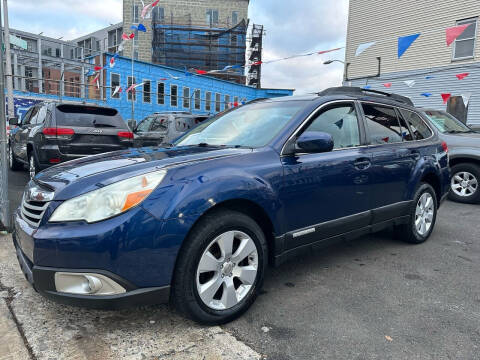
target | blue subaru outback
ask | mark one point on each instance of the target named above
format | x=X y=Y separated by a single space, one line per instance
x=198 y=221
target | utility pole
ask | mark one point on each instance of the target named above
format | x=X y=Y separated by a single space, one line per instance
x=4 y=205
x=8 y=61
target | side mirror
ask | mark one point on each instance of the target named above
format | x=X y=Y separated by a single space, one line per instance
x=13 y=121
x=313 y=142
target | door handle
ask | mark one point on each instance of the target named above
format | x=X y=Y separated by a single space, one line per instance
x=362 y=164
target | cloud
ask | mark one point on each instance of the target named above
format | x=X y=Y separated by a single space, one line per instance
x=296 y=28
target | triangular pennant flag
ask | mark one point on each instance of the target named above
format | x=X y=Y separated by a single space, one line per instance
x=466 y=98
x=404 y=42
x=327 y=51
x=445 y=97
x=426 y=94
x=132 y=35
x=388 y=85
x=121 y=47
x=125 y=37
x=367 y=87
x=117 y=90
x=155 y=3
x=429 y=77
x=142 y=28
x=201 y=72
x=95 y=79
x=112 y=62
x=462 y=76
x=409 y=83
x=138 y=85
x=362 y=47
x=131 y=88
x=97 y=68
x=257 y=63
x=453 y=33
x=133 y=27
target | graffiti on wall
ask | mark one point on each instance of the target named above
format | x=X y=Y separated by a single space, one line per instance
x=22 y=105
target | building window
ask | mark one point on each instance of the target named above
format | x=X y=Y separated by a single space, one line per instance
x=226 y=102
x=135 y=16
x=114 y=82
x=186 y=97
x=208 y=101
x=174 y=95
x=465 y=44
x=198 y=95
x=131 y=93
x=218 y=101
x=212 y=17
x=147 y=88
x=158 y=14
x=234 y=17
x=161 y=94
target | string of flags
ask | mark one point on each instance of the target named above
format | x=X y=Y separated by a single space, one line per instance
x=405 y=42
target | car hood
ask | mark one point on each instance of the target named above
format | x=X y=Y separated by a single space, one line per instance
x=80 y=176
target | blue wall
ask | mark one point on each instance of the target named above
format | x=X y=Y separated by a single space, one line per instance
x=147 y=71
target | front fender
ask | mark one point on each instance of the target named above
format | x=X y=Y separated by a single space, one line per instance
x=186 y=194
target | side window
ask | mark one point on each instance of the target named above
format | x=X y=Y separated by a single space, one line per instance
x=144 y=126
x=159 y=124
x=406 y=134
x=418 y=126
x=341 y=122
x=26 y=117
x=31 y=119
x=382 y=124
x=40 y=116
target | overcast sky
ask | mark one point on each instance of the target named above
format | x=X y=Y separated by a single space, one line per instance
x=292 y=27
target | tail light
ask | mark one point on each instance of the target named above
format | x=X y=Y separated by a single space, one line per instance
x=445 y=147
x=62 y=133
x=125 y=135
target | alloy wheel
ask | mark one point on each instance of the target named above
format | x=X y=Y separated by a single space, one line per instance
x=464 y=184
x=227 y=270
x=424 y=214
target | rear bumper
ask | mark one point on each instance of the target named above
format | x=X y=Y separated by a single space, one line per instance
x=42 y=280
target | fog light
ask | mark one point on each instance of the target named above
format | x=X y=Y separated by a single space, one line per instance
x=86 y=284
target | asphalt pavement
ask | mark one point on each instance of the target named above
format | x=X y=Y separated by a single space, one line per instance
x=371 y=298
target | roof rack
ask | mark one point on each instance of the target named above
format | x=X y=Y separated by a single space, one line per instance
x=343 y=90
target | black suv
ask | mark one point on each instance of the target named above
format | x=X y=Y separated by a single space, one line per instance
x=52 y=133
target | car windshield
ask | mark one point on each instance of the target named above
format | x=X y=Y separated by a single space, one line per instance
x=253 y=125
x=446 y=123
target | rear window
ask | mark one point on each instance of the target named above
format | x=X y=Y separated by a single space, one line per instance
x=88 y=116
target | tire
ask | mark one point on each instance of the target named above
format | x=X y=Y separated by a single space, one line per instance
x=216 y=307
x=13 y=163
x=465 y=184
x=32 y=165
x=412 y=232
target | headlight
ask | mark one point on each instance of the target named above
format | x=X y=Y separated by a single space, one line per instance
x=108 y=201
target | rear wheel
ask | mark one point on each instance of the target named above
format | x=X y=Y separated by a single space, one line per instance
x=465 y=184
x=12 y=161
x=220 y=268
x=422 y=217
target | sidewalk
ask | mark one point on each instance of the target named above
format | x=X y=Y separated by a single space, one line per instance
x=54 y=331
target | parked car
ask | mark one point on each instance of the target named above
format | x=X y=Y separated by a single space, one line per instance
x=199 y=221
x=164 y=128
x=464 y=146
x=50 y=134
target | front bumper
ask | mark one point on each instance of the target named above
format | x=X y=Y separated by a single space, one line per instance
x=42 y=280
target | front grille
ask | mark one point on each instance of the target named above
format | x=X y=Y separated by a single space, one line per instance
x=32 y=211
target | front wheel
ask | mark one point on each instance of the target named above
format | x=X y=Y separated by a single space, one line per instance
x=220 y=268
x=465 y=185
x=422 y=217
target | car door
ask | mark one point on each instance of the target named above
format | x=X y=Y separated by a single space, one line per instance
x=327 y=194
x=393 y=161
x=141 y=132
x=21 y=137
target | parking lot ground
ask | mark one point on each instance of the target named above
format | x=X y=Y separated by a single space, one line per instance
x=371 y=298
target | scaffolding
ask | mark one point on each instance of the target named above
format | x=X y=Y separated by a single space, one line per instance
x=255 y=56
x=178 y=42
